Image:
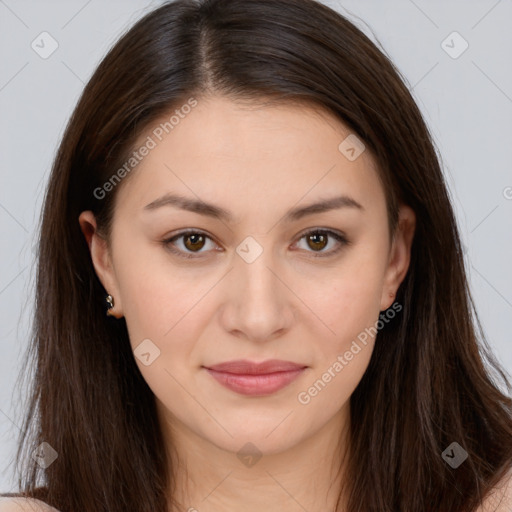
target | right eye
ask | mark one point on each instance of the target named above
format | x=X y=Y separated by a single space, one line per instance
x=191 y=242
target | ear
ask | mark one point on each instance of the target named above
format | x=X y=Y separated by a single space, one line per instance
x=101 y=260
x=399 y=256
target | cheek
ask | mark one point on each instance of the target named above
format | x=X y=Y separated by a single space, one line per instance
x=342 y=354
x=159 y=300
x=162 y=309
x=347 y=300
x=330 y=386
x=349 y=305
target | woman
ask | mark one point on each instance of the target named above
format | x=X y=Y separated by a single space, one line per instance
x=249 y=191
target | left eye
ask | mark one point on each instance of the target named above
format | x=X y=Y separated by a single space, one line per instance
x=319 y=239
x=194 y=241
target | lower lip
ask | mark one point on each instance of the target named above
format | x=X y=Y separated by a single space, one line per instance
x=255 y=385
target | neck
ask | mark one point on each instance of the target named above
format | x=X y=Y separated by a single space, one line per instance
x=307 y=476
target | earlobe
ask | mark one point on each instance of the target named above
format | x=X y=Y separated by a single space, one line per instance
x=400 y=255
x=101 y=260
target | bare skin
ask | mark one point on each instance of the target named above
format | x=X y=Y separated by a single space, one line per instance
x=257 y=163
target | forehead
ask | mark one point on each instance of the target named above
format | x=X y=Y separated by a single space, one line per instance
x=243 y=152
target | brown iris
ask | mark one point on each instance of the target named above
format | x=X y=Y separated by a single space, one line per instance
x=317 y=241
x=196 y=241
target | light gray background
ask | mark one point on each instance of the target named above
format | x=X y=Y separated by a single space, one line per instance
x=466 y=101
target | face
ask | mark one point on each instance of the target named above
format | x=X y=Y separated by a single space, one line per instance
x=258 y=276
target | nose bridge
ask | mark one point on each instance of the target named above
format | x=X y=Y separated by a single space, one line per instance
x=258 y=307
x=253 y=263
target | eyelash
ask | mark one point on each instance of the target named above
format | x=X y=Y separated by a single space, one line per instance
x=339 y=237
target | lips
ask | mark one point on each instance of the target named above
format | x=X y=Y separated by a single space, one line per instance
x=243 y=367
x=256 y=379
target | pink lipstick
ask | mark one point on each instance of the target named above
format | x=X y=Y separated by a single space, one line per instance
x=255 y=379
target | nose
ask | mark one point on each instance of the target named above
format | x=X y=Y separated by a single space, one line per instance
x=259 y=306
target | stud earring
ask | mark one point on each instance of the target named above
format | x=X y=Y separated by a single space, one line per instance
x=110 y=301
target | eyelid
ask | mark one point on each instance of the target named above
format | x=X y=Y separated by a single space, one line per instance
x=339 y=236
x=188 y=231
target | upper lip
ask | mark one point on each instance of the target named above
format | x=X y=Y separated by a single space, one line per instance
x=244 y=367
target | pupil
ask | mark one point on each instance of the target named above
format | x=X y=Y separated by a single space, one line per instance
x=315 y=239
x=195 y=240
x=318 y=241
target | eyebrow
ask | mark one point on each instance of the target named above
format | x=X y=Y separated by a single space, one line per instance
x=217 y=212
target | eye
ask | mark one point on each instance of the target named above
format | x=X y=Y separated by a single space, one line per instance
x=318 y=239
x=191 y=242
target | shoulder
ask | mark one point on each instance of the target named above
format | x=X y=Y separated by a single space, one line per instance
x=499 y=498
x=24 y=505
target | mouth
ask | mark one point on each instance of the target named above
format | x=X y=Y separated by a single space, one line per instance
x=255 y=379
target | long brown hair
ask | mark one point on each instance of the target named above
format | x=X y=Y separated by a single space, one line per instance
x=432 y=379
